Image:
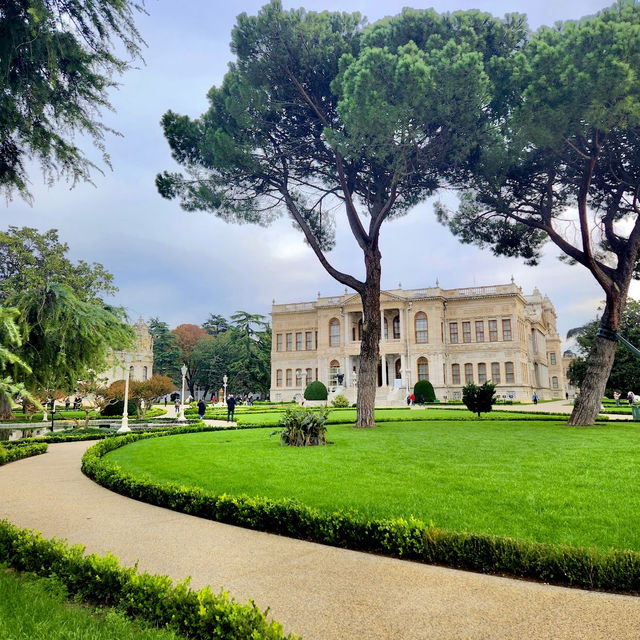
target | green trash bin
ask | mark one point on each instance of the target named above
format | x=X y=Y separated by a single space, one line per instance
x=636 y=412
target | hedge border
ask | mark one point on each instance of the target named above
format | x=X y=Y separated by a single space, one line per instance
x=613 y=570
x=101 y=580
x=10 y=452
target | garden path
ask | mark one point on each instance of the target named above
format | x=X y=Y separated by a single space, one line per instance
x=319 y=592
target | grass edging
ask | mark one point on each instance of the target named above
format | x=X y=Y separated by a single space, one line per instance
x=613 y=570
x=102 y=580
x=9 y=452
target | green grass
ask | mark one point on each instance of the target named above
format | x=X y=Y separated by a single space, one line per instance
x=36 y=609
x=539 y=481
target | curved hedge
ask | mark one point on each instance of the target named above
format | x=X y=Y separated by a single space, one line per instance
x=200 y=615
x=19 y=450
x=612 y=570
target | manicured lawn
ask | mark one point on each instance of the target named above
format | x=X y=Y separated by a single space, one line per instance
x=536 y=480
x=36 y=609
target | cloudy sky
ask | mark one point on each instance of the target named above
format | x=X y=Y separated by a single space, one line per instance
x=182 y=266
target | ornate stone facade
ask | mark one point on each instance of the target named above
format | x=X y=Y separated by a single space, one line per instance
x=448 y=336
x=139 y=360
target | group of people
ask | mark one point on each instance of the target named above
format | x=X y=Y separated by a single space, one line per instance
x=231 y=406
x=631 y=398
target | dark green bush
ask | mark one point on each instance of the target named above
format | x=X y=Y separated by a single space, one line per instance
x=11 y=451
x=101 y=580
x=340 y=402
x=479 y=399
x=316 y=391
x=611 y=570
x=303 y=427
x=116 y=408
x=423 y=391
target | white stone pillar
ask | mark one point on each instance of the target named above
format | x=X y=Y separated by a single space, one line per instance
x=402 y=327
x=382 y=338
x=347 y=371
x=385 y=382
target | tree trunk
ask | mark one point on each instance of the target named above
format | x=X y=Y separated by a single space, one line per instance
x=5 y=407
x=599 y=364
x=370 y=342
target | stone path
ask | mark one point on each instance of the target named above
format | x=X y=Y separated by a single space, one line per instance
x=319 y=592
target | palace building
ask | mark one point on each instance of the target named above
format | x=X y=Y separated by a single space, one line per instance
x=139 y=359
x=447 y=336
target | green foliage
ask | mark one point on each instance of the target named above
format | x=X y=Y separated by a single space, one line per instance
x=10 y=451
x=166 y=354
x=200 y=615
x=316 y=391
x=410 y=538
x=340 y=401
x=303 y=427
x=625 y=373
x=57 y=64
x=423 y=391
x=479 y=399
x=116 y=408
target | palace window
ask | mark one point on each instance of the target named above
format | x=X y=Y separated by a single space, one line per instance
x=466 y=332
x=482 y=372
x=396 y=328
x=279 y=378
x=385 y=325
x=453 y=332
x=468 y=373
x=552 y=358
x=508 y=372
x=308 y=340
x=422 y=334
x=334 y=332
x=289 y=341
x=495 y=372
x=455 y=374
x=554 y=382
x=423 y=369
x=479 y=330
x=506 y=329
x=334 y=370
x=493 y=331
x=298 y=377
x=309 y=376
x=299 y=341
x=289 y=377
x=145 y=373
x=279 y=342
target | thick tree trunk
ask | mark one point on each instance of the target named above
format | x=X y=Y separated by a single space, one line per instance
x=599 y=364
x=5 y=407
x=370 y=342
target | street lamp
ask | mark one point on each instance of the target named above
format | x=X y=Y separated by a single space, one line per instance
x=124 y=426
x=181 y=417
x=224 y=382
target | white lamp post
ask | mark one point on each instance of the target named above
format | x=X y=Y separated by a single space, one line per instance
x=124 y=426
x=224 y=382
x=181 y=417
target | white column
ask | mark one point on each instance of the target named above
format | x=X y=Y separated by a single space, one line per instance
x=382 y=338
x=384 y=371
x=402 y=329
x=347 y=371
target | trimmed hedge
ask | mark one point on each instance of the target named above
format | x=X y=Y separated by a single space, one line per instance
x=102 y=580
x=316 y=391
x=19 y=450
x=423 y=392
x=613 y=570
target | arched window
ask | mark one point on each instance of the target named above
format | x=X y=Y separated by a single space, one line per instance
x=279 y=378
x=298 y=377
x=145 y=373
x=495 y=372
x=334 y=371
x=422 y=333
x=132 y=373
x=508 y=372
x=386 y=329
x=398 y=369
x=468 y=373
x=289 y=377
x=360 y=329
x=482 y=372
x=423 y=369
x=455 y=374
x=396 y=328
x=334 y=332
x=309 y=376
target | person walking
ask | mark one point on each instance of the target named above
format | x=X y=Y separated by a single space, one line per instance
x=631 y=398
x=202 y=407
x=231 y=407
x=616 y=397
x=535 y=398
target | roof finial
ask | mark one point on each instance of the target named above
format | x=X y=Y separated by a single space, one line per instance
x=318 y=294
x=513 y=281
x=437 y=282
x=399 y=285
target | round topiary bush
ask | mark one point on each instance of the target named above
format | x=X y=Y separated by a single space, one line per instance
x=423 y=391
x=316 y=391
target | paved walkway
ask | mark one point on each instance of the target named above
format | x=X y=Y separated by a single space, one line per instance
x=319 y=592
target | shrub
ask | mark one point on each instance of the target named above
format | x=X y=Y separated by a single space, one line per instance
x=479 y=399
x=340 y=402
x=316 y=391
x=423 y=391
x=11 y=451
x=116 y=408
x=303 y=427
